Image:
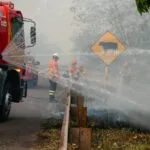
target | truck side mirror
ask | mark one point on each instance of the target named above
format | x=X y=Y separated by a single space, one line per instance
x=33 y=35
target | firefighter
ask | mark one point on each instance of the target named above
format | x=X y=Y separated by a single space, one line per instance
x=53 y=72
x=75 y=71
x=72 y=70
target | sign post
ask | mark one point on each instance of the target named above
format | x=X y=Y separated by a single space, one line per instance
x=106 y=72
x=108 y=48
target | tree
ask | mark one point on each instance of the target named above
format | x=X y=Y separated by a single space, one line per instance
x=143 y=6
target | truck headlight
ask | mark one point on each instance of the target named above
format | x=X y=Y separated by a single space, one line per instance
x=18 y=70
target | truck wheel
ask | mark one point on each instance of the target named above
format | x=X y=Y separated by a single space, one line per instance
x=6 y=103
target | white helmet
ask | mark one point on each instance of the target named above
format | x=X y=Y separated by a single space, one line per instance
x=56 y=55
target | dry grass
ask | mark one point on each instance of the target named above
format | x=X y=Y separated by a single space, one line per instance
x=48 y=137
x=48 y=140
x=123 y=139
x=102 y=139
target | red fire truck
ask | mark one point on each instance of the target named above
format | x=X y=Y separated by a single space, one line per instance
x=12 y=41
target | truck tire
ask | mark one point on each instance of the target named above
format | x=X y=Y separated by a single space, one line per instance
x=6 y=103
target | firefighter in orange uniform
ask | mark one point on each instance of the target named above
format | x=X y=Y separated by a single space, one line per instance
x=72 y=70
x=53 y=72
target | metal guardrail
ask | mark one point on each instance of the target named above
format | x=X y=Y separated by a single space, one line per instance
x=78 y=133
x=65 y=126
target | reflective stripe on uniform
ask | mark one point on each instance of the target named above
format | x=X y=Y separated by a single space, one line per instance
x=51 y=92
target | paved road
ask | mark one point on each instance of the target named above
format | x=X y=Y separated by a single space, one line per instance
x=19 y=133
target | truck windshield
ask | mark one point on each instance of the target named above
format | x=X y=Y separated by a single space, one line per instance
x=16 y=26
x=17 y=32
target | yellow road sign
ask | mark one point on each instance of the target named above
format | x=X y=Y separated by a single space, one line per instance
x=108 y=47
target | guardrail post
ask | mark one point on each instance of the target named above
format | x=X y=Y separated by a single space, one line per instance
x=65 y=126
x=79 y=133
x=82 y=138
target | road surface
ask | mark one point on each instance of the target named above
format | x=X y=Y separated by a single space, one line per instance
x=19 y=133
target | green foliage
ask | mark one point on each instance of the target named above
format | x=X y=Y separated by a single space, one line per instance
x=143 y=6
